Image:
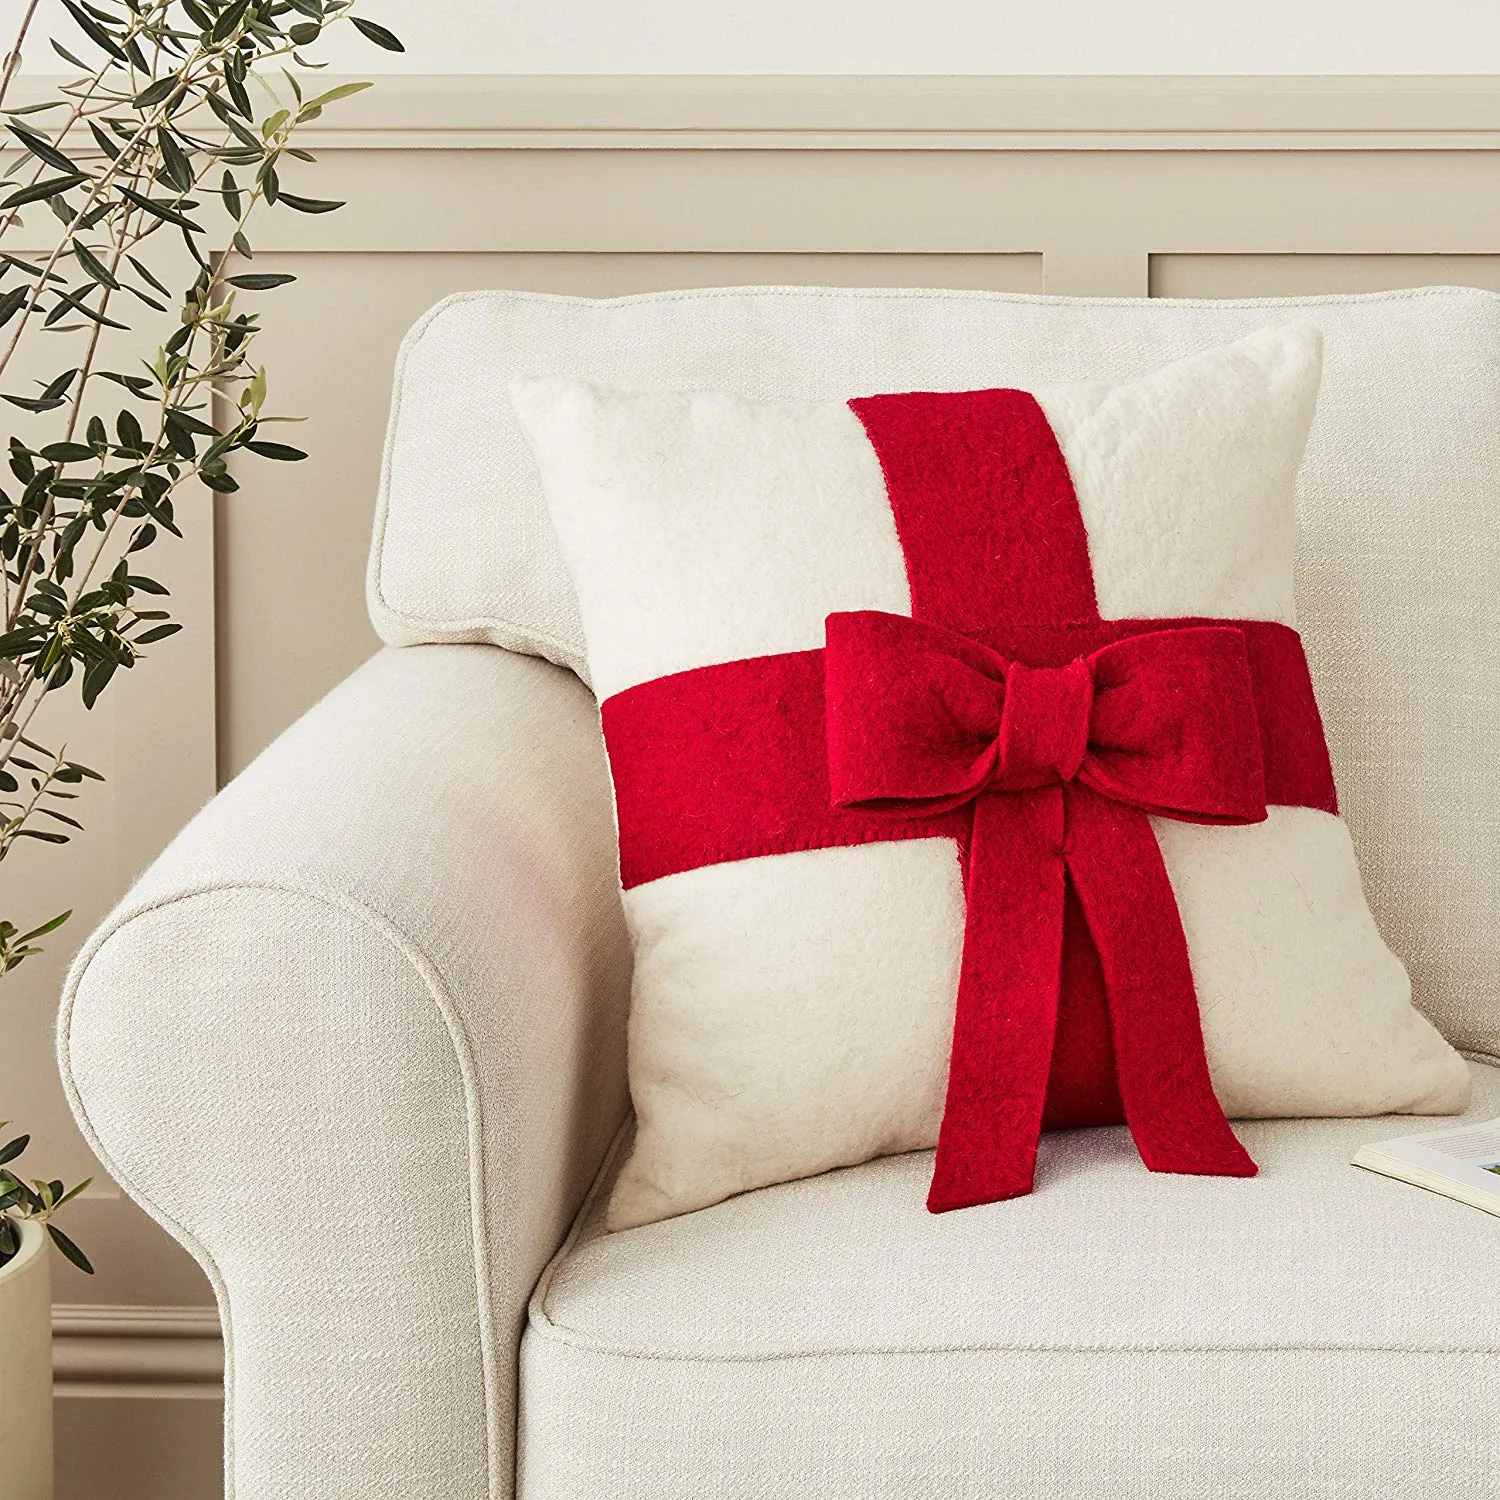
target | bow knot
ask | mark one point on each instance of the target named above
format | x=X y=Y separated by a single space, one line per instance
x=1044 y=725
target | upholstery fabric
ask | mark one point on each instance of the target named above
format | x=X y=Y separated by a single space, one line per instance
x=1318 y=1331
x=1396 y=502
x=387 y=966
x=712 y=537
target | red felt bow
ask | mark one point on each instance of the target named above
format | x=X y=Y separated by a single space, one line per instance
x=1061 y=767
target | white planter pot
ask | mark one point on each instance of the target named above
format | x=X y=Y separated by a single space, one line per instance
x=26 y=1370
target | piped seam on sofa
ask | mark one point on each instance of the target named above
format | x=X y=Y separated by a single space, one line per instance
x=431 y=979
x=549 y=1333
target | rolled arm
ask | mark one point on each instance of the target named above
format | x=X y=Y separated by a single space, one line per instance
x=357 y=1040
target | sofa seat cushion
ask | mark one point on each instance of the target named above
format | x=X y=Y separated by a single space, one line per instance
x=1316 y=1331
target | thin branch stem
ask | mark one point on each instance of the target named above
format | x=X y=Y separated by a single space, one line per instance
x=13 y=57
x=11 y=827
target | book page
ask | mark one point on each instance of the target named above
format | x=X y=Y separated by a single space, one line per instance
x=1463 y=1162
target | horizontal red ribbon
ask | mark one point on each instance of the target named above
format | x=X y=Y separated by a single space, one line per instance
x=729 y=762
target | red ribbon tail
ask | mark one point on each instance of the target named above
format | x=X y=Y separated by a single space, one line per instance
x=1131 y=910
x=1006 y=1015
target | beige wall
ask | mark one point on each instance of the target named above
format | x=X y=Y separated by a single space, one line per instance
x=943 y=36
x=601 y=187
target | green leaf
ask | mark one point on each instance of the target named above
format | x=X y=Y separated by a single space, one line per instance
x=96 y=678
x=44 y=150
x=176 y=169
x=67 y=453
x=166 y=212
x=39 y=190
x=32 y=403
x=377 y=34
x=304 y=32
x=343 y=91
x=229 y=190
x=281 y=451
x=241 y=133
x=229 y=19
x=153 y=94
x=45 y=928
x=260 y=282
x=95 y=33
x=190 y=423
x=12 y=1149
x=10 y=303
x=67 y=302
x=108 y=147
x=146 y=297
x=146 y=275
x=306 y=205
x=157 y=633
x=146 y=585
x=70 y=1250
x=94 y=266
x=69 y=57
x=74 y=1191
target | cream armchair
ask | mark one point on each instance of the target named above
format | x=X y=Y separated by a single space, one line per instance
x=387 y=968
x=386 y=971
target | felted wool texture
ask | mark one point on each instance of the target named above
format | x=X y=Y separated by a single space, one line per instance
x=771 y=994
x=918 y=716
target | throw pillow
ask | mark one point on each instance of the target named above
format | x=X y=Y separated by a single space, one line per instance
x=969 y=776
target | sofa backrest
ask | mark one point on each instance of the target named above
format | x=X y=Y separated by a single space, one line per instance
x=1399 y=498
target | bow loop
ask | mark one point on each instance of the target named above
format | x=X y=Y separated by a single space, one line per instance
x=913 y=714
x=1174 y=729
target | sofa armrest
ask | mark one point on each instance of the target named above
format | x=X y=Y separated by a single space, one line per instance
x=357 y=1040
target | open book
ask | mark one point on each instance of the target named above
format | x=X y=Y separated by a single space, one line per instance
x=1463 y=1163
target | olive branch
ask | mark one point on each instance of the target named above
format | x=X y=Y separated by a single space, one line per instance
x=161 y=121
x=173 y=111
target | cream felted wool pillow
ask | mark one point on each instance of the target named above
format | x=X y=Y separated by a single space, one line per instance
x=969 y=777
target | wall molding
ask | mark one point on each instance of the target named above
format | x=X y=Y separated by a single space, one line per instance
x=406 y=112
x=910 y=113
x=109 y=1350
